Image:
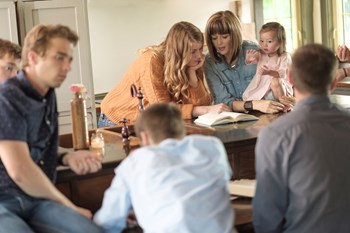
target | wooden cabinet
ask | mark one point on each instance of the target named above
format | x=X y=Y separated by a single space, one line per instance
x=8 y=21
x=86 y=191
x=241 y=156
x=72 y=13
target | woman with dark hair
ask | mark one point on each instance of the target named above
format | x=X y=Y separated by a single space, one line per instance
x=226 y=71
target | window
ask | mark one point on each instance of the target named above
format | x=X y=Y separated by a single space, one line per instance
x=281 y=12
x=343 y=22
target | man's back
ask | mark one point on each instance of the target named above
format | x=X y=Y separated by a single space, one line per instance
x=303 y=165
x=177 y=186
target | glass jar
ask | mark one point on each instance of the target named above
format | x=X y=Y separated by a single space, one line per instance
x=97 y=144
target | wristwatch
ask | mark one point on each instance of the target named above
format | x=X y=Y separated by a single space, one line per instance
x=248 y=105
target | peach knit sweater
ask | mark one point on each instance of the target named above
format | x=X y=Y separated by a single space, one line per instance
x=147 y=72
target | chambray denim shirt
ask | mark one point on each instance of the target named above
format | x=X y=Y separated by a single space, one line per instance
x=302 y=163
x=226 y=83
x=175 y=186
x=29 y=117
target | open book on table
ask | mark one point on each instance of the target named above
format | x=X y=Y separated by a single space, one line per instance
x=224 y=118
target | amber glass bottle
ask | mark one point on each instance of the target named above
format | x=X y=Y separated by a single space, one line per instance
x=79 y=122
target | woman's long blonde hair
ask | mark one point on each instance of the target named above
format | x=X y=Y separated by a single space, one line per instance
x=177 y=52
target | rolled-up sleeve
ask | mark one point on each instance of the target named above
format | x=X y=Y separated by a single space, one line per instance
x=116 y=204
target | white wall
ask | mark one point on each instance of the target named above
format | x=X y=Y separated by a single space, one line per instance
x=118 y=28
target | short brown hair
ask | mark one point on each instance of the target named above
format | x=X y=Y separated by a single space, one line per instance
x=313 y=68
x=161 y=121
x=9 y=48
x=38 y=39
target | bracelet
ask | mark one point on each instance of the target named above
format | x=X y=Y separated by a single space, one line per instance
x=60 y=159
x=346 y=74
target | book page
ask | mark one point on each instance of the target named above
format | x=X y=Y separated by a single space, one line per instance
x=240 y=116
x=212 y=119
x=234 y=115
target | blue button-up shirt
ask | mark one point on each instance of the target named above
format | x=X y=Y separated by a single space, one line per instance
x=29 y=117
x=303 y=170
x=226 y=83
x=176 y=186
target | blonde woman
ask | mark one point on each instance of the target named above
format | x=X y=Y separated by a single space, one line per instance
x=169 y=72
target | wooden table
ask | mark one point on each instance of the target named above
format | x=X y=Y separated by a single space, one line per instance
x=342 y=87
x=87 y=190
x=239 y=140
x=342 y=100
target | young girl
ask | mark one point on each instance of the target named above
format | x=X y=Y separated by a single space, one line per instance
x=270 y=81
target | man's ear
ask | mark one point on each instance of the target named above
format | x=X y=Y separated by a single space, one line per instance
x=146 y=139
x=32 y=57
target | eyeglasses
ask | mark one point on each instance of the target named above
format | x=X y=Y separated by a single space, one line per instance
x=9 y=68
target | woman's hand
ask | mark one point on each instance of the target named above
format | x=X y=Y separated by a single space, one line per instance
x=217 y=108
x=268 y=106
x=288 y=101
x=196 y=67
x=343 y=54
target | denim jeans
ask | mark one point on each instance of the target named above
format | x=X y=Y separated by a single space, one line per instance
x=27 y=215
x=104 y=121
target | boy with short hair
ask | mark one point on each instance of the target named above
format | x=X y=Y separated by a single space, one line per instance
x=174 y=183
x=10 y=55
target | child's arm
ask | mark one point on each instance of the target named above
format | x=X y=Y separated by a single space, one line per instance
x=252 y=56
x=285 y=63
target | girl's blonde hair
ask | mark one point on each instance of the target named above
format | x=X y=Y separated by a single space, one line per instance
x=176 y=50
x=224 y=22
x=280 y=34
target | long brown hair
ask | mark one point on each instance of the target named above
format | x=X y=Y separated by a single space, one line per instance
x=224 y=22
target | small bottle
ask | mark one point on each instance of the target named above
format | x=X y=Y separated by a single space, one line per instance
x=97 y=144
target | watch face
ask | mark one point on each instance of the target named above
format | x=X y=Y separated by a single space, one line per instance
x=248 y=105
